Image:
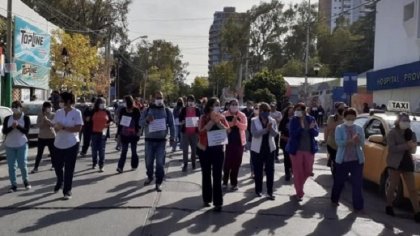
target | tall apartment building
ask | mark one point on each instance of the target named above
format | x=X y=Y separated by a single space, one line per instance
x=216 y=55
x=352 y=10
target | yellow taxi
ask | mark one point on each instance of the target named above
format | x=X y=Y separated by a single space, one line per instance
x=376 y=127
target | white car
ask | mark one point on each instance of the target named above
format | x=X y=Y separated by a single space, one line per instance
x=4 y=112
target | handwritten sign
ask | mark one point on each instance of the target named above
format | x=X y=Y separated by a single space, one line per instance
x=125 y=121
x=157 y=125
x=217 y=137
x=191 y=122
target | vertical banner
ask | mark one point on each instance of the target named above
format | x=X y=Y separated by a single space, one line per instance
x=32 y=55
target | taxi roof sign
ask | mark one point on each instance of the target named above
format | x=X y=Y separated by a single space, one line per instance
x=399 y=106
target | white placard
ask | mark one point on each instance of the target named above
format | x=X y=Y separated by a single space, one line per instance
x=191 y=122
x=157 y=125
x=177 y=121
x=217 y=137
x=125 y=121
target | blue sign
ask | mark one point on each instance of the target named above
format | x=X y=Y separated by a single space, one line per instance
x=403 y=76
x=350 y=83
x=32 y=55
x=338 y=95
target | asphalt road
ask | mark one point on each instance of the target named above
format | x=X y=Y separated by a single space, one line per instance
x=118 y=204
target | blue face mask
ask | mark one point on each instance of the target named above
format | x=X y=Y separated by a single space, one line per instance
x=265 y=114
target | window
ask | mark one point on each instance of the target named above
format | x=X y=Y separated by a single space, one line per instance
x=408 y=11
x=374 y=126
x=361 y=121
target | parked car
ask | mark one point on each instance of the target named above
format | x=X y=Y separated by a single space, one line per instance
x=4 y=112
x=32 y=109
x=376 y=127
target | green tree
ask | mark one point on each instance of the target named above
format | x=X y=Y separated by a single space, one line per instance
x=263 y=95
x=222 y=76
x=82 y=64
x=201 y=87
x=273 y=81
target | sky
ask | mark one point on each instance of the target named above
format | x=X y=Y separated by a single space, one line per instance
x=186 y=23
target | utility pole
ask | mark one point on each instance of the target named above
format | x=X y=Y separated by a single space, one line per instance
x=7 y=89
x=108 y=64
x=307 y=52
x=239 y=85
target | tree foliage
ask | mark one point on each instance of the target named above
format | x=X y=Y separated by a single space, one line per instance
x=272 y=81
x=83 y=63
x=201 y=87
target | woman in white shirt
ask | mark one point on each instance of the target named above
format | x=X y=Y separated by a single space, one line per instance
x=67 y=123
x=16 y=127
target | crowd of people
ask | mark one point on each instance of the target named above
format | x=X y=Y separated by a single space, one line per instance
x=218 y=137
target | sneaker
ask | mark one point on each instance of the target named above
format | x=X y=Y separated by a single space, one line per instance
x=57 y=188
x=224 y=186
x=119 y=170
x=101 y=169
x=258 y=194
x=133 y=169
x=184 y=168
x=148 y=181
x=52 y=168
x=67 y=196
x=82 y=154
x=12 y=189
x=158 y=188
x=217 y=208
x=27 y=185
x=34 y=171
x=118 y=148
x=94 y=167
x=389 y=211
x=271 y=197
x=206 y=204
x=234 y=188
x=334 y=203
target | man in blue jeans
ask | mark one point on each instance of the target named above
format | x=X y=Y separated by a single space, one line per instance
x=157 y=120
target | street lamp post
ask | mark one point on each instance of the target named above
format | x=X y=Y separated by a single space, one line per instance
x=65 y=56
x=307 y=51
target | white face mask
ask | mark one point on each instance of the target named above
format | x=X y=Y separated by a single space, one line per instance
x=234 y=109
x=216 y=109
x=191 y=104
x=404 y=125
x=48 y=110
x=61 y=104
x=349 y=122
x=298 y=113
x=158 y=102
x=16 y=110
x=101 y=106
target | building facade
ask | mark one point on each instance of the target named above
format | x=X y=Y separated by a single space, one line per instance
x=396 y=74
x=216 y=54
x=351 y=10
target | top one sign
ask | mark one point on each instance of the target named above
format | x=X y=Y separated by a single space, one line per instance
x=398 y=106
x=31 y=44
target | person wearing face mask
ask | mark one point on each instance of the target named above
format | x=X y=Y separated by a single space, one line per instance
x=101 y=118
x=284 y=130
x=350 y=139
x=255 y=113
x=189 y=132
x=402 y=143
x=211 y=154
x=329 y=133
x=177 y=111
x=46 y=134
x=128 y=128
x=16 y=127
x=157 y=121
x=302 y=147
x=264 y=131
x=87 y=111
x=276 y=115
x=238 y=124
x=68 y=123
